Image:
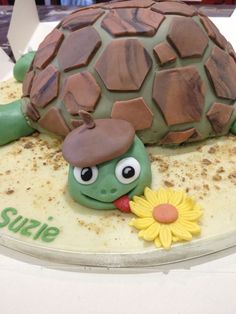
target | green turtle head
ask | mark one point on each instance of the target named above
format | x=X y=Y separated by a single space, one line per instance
x=108 y=163
x=101 y=185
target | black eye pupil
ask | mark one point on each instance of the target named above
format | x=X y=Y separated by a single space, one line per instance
x=128 y=172
x=86 y=174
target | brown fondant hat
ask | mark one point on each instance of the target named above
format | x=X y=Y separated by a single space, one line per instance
x=90 y=145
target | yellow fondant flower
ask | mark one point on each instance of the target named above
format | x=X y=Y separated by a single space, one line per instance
x=165 y=216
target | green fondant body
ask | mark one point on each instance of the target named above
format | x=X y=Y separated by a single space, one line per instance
x=13 y=124
x=22 y=66
x=106 y=189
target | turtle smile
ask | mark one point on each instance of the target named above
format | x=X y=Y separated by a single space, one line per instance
x=128 y=194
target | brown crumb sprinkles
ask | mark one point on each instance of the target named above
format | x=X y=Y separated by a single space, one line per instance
x=198 y=174
x=10 y=191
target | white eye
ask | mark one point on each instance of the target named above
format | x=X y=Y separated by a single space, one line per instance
x=86 y=175
x=127 y=170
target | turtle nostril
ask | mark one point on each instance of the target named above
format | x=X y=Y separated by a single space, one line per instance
x=113 y=191
x=103 y=191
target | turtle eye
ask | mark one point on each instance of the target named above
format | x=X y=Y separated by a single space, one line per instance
x=127 y=170
x=86 y=175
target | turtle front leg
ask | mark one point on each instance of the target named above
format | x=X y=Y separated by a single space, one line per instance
x=13 y=124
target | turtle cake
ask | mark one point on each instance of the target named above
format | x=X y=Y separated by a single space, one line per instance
x=112 y=78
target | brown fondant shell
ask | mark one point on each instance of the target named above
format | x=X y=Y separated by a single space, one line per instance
x=161 y=65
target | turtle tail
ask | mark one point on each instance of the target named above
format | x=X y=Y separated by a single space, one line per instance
x=233 y=127
x=22 y=66
x=13 y=124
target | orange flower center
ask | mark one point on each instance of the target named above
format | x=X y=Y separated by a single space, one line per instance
x=165 y=213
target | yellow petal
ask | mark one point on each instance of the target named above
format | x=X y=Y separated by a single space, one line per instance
x=187 y=205
x=151 y=196
x=165 y=236
x=157 y=242
x=180 y=232
x=162 y=196
x=169 y=193
x=192 y=227
x=191 y=215
x=197 y=207
x=140 y=234
x=151 y=232
x=139 y=210
x=177 y=198
x=175 y=239
x=141 y=201
x=141 y=223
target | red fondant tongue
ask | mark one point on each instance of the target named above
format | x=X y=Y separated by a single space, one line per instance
x=122 y=204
